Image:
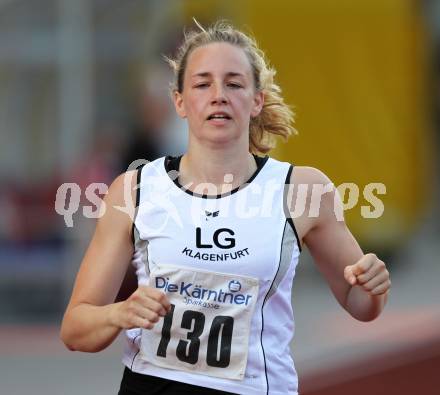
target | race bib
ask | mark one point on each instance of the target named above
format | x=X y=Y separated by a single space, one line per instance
x=207 y=328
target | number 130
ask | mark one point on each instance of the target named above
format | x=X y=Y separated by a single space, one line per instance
x=219 y=339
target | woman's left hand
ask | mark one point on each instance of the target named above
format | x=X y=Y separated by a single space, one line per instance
x=370 y=273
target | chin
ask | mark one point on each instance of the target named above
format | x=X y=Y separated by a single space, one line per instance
x=219 y=136
x=222 y=137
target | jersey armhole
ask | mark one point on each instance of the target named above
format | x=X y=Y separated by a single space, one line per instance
x=137 y=200
x=286 y=208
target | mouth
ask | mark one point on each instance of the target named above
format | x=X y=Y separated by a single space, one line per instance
x=219 y=116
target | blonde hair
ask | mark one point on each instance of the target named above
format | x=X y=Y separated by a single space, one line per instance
x=276 y=117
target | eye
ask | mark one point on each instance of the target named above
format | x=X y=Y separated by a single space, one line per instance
x=234 y=85
x=201 y=85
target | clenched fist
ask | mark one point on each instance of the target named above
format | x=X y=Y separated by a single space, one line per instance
x=142 y=309
x=370 y=273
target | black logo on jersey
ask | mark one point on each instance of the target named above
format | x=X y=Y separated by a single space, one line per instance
x=220 y=242
x=234 y=286
x=211 y=214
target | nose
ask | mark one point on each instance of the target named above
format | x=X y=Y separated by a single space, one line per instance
x=219 y=96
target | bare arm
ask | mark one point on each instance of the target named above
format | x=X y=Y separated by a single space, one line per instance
x=359 y=282
x=92 y=320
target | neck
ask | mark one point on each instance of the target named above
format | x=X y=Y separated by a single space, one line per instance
x=225 y=168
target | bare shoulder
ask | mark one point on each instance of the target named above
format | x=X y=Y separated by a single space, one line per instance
x=308 y=175
x=118 y=207
x=122 y=188
x=311 y=198
x=312 y=185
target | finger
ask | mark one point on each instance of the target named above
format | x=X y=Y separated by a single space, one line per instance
x=155 y=306
x=382 y=288
x=160 y=297
x=364 y=264
x=375 y=281
x=146 y=315
x=163 y=299
x=150 y=315
x=144 y=312
x=139 y=322
x=349 y=276
x=377 y=268
x=142 y=306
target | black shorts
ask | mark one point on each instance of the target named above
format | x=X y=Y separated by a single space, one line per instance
x=141 y=384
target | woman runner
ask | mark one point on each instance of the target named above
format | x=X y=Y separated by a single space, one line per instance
x=216 y=239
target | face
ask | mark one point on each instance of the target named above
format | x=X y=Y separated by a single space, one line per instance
x=219 y=96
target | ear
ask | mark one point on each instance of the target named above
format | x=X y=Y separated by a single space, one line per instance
x=258 y=104
x=178 y=104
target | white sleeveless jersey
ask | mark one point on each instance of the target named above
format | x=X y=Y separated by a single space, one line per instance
x=227 y=264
